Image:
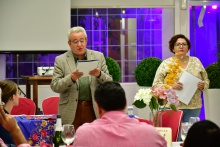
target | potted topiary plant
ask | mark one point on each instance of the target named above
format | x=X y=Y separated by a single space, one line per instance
x=145 y=71
x=144 y=75
x=211 y=96
x=213 y=71
x=113 y=68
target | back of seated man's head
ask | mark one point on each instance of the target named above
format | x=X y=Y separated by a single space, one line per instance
x=110 y=96
x=203 y=134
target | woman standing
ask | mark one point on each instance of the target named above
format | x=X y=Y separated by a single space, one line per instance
x=9 y=96
x=170 y=70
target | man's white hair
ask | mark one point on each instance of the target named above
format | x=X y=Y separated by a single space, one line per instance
x=76 y=30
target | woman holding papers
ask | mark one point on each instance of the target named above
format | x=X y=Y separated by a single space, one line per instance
x=169 y=72
x=76 y=88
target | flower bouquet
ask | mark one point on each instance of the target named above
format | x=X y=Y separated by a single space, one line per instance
x=158 y=99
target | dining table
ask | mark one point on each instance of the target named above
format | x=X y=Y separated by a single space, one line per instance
x=37 y=129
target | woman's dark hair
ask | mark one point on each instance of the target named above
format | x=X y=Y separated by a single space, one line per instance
x=9 y=88
x=110 y=96
x=203 y=134
x=175 y=38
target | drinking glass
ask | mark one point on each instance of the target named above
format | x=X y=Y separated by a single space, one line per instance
x=184 y=129
x=67 y=134
x=192 y=120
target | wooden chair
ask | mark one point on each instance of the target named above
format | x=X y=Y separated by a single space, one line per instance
x=50 y=105
x=173 y=120
x=26 y=106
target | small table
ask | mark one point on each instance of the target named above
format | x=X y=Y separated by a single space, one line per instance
x=35 y=81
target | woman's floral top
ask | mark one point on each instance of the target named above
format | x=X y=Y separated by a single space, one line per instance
x=194 y=67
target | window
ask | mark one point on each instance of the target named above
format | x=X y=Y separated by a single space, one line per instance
x=126 y=35
x=26 y=64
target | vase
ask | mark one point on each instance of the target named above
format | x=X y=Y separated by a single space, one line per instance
x=156 y=118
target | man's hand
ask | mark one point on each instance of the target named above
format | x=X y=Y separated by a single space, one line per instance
x=95 y=72
x=75 y=75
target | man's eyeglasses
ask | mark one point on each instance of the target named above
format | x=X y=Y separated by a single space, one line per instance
x=75 y=42
x=179 y=44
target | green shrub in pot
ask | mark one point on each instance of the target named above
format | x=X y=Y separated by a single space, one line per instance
x=213 y=71
x=113 y=68
x=146 y=70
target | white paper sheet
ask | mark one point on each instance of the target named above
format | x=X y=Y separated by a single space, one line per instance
x=190 y=83
x=86 y=66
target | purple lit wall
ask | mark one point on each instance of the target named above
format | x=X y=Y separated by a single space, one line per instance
x=205 y=39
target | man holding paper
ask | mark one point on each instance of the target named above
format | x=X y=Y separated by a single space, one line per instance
x=185 y=74
x=75 y=83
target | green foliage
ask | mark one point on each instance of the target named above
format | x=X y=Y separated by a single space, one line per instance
x=140 y=104
x=213 y=71
x=154 y=104
x=173 y=107
x=113 y=68
x=146 y=70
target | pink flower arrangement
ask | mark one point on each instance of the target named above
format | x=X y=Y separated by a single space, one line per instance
x=157 y=98
x=167 y=96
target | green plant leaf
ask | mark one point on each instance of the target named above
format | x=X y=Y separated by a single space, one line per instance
x=173 y=107
x=153 y=104
x=139 y=104
x=169 y=113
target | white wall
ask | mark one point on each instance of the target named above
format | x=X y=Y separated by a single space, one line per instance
x=34 y=25
x=168 y=31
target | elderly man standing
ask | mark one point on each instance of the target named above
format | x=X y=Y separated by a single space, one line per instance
x=77 y=104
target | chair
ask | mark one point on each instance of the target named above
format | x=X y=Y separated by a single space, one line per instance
x=145 y=120
x=50 y=105
x=26 y=106
x=173 y=120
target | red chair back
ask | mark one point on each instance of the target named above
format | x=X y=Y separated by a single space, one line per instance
x=173 y=120
x=146 y=121
x=50 y=105
x=26 y=106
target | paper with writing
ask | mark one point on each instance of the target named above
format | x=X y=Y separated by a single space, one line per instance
x=166 y=132
x=86 y=66
x=190 y=83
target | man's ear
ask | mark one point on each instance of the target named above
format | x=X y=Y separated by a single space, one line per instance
x=99 y=109
x=69 y=43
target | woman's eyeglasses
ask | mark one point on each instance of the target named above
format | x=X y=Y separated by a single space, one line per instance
x=179 y=44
